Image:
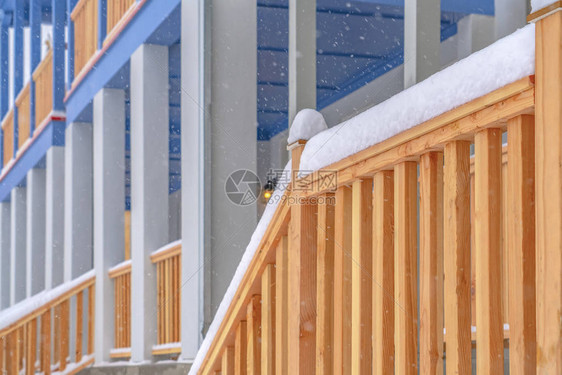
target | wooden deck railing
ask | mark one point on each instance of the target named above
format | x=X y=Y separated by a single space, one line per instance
x=121 y=275
x=168 y=276
x=30 y=342
x=351 y=273
x=43 y=78
x=116 y=10
x=8 y=128
x=85 y=18
x=23 y=104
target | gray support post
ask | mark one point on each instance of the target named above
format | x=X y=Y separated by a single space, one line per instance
x=109 y=208
x=35 y=242
x=17 y=244
x=193 y=167
x=149 y=187
x=422 y=40
x=78 y=205
x=54 y=208
x=302 y=56
x=5 y=263
x=234 y=138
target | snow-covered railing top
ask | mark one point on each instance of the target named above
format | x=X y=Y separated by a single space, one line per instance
x=480 y=92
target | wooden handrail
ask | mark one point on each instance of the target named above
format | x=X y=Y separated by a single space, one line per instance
x=168 y=251
x=120 y=269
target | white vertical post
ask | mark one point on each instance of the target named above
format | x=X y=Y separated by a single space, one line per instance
x=35 y=231
x=149 y=187
x=54 y=208
x=78 y=204
x=17 y=244
x=192 y=174
x=422 y=40
x=5 y=264
x=509 y=15
x=302 y=56
x=234 y=138
x=109 y=208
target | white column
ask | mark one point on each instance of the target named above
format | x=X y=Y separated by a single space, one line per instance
x=233 y=132
x=78 y=204
x=54 y=208
x=36 y=178
x=193 y=163
x=509 y=15
x=149 y=187
x=422 y=40
x=5 y=263
x=302 y=56
x=17 y=244
x=109 y=207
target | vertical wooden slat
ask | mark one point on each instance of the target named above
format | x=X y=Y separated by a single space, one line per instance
x=521 y=244
x=79 y=325
x=64 y=334
x=383 y=273
x=116 y=312
x=504 y=255
x=281 y=307
x=302 y=288
x=361 y=275
x=489 y=331
x=91 y=318
x=548 y=173
x=56 y=332
x=325 y=287
x=31 y=347
x=159 y=302
x=253 y=327
x=227 y=361
x=268 y=320
x=13 y=359
x=46 y=342
x=456 y=258
x=405 y=268
x=240 y=366
x=2 y=353
x=166 y=301
x=431 y=263
x=472 y=251
x=342 y=281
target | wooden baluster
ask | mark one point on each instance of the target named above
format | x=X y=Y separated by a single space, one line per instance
x=548 y=153
x=227 y=361
x=268 y=320
x=383 y=273
x=22 y=335
x=325 y=287
x=521 y=243
x=13 y=359
x=281 y=307
x=503 y=240
x=79 y=325
x=159 y=301
x=31 y=347
x=472 y=251
x=240 y=366
x=405 y=268
x=302 y=278
x=457 y=263
x=489 y=331
x=116 y=312
x=91 y=318
x=253 y=323
x=2 y=354
x=361 y=274
x=64 y=334
x=342 y=281
x=46 y=342
x=128 y=311
x=431 y=263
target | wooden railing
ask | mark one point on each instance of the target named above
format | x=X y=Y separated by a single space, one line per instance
x=116 y=10
x=8 y=128
x=351 y=273
x=121 y=275
x=30 y=342
x=23 y=104
x=43 y=78
x=168 y=276
x=85 y=18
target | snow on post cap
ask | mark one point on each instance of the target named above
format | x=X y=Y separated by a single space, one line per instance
x=307 y=124
x=537 y=5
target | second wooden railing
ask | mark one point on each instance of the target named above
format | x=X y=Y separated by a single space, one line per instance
x=43 y=78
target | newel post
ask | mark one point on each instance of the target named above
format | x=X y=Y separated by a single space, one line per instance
x=548 y=186
x=301 y=274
